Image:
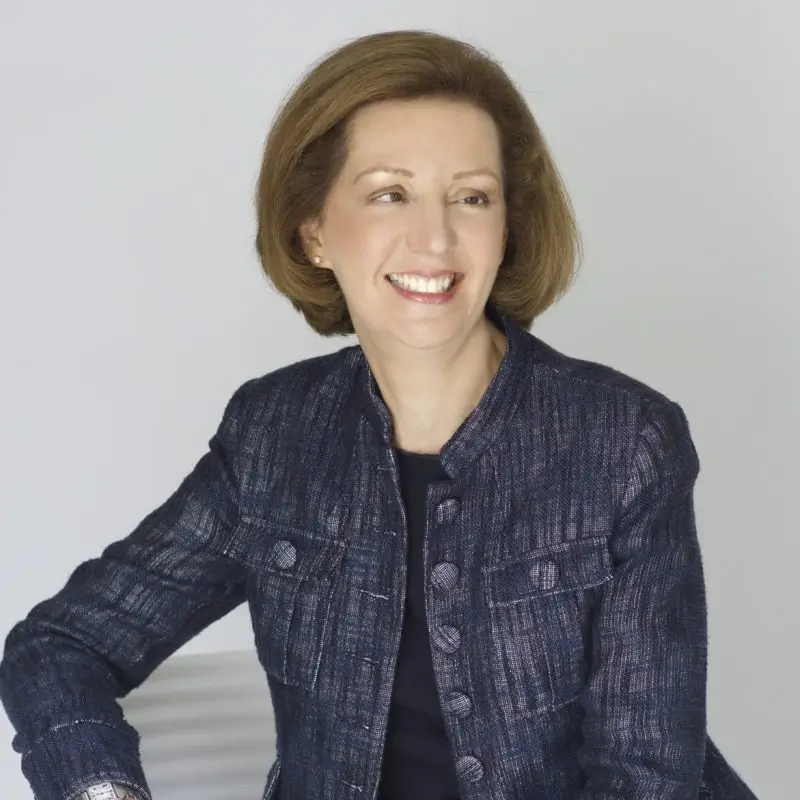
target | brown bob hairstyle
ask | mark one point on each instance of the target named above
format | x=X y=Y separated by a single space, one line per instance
x=307 y=147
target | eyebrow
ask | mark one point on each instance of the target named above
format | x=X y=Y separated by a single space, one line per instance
x=409 y=174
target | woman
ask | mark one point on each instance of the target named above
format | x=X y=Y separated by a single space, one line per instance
x=470 y=560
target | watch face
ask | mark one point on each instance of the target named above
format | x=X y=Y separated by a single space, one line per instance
x=104 y=791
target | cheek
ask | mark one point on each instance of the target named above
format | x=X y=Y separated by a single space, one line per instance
x=360 y=240
x=485 y=242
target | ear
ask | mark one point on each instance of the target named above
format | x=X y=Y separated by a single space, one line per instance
x=311 y=238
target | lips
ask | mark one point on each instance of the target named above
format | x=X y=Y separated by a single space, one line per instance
x=422 y=290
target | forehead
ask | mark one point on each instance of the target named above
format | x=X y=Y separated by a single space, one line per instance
x=448 y=130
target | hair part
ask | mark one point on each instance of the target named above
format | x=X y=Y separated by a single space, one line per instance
x=307 y=147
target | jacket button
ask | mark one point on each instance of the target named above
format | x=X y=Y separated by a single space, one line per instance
x=283 y=554
x=545 y=574
x=444 y=575
x=469 y=768
x=458 y=704
x=447 y=510
x=447 y=638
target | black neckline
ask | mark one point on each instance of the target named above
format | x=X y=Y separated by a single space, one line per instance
x=412 y=454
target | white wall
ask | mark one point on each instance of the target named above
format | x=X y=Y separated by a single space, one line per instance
x=131 y=305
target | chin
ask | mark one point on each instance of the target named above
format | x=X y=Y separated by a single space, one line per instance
x=429 y=334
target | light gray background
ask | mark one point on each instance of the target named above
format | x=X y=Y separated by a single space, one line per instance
x=131 y=305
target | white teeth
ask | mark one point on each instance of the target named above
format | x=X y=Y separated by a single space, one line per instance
x=416 y=283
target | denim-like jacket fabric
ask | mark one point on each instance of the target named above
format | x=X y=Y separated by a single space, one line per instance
x=564 y=591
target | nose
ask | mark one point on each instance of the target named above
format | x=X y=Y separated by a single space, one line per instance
x=430 y=231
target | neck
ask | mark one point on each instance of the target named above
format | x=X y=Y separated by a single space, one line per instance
x=430 y=394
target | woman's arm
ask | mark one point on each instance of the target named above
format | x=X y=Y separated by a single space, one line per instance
x=116 y=619
x=645 y=702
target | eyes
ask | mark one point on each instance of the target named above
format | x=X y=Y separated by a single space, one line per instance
x=476 y=199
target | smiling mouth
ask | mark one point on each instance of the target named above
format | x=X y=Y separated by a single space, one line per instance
x=421 y=285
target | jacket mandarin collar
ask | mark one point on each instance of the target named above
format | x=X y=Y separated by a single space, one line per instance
x=484 y=423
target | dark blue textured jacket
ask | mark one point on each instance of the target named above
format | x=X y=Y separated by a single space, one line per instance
x=564 y=591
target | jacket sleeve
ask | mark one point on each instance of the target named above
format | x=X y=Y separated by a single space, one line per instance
x=115 y=620
x=644 y=730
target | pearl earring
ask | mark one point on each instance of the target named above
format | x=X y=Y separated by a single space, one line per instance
x=317 y=259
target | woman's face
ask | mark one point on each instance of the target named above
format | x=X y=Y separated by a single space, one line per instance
x=414 y=227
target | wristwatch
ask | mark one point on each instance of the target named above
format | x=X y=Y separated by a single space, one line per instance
x=107 y=791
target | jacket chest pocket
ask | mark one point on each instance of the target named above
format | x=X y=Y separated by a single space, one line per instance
x=291 y=578
x=540 y=614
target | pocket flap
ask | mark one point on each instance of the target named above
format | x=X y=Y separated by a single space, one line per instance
x=563 y=568
x=272 y=547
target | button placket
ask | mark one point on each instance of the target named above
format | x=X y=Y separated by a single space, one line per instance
x=445 y=576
